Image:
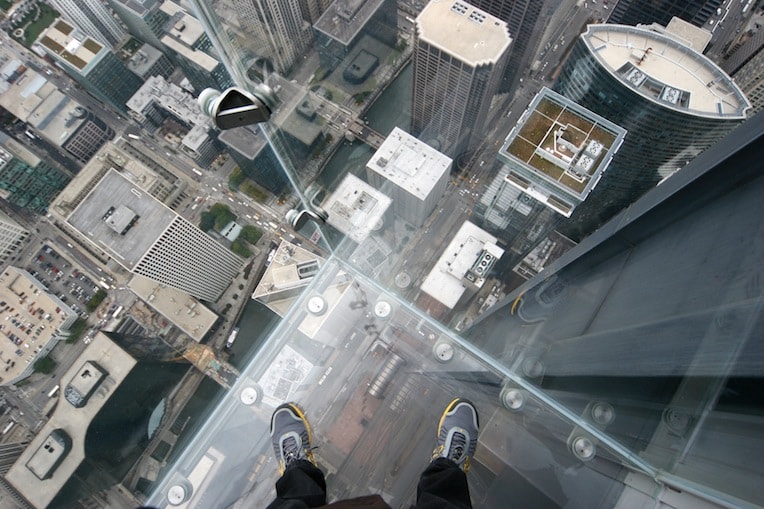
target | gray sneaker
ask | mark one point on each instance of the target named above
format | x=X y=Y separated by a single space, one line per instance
x=290 y=435
x=457 y=433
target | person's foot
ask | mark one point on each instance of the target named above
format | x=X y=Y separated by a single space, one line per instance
x=457 y=433
x=290 y=435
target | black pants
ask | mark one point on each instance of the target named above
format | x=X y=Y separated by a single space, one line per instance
x=443 y=485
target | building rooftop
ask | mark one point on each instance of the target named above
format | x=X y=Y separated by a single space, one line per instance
x=169 y=97
x=139 y=7
x=69 y=421
x=472 y=35
x=344 y=19
x=560 y=148
x=450 y=276
x=289 y=271
x=149 y=219
x=25 y=91
x=143 y=59
x=30 y=318
x=183 y=26
x=200 y=58
x=355 y=208
x=183 y=310
x=666 y=71
x=71 y=45
x=409 y=163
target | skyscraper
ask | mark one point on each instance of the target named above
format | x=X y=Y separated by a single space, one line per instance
x=279 y=27
x=149 y=239
x=658 y=315
x=521 y=17
x=459 y=57
x=633 y=12
x=94 y=18
x=673 y=101
x=90 y=63
x=554 y=158
x=143 y=18
x=191 y=48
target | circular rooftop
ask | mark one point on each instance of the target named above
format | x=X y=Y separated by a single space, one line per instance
x=666 y=71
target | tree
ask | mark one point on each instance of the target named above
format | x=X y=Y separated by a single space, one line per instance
x=207 y=221
x=45 y=365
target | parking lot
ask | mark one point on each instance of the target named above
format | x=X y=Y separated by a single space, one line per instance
x=70 y=285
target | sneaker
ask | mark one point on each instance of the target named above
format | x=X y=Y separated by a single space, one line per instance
x=457 y=433
x=290 y=436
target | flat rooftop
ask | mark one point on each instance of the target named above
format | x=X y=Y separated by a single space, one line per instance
x=183 y=310
x=666 y=71
x=409 y=163
x=143 y=59
x=74 y=422
x=290 y=270
x=92 y=215
x=200 y=58
x=561 y=143
x=445 y=282
x=355 y=208
x=26 y=93
x=57 y=118
x=468 y=33
x=30 y=319
x=344 y=19
x=71 y=45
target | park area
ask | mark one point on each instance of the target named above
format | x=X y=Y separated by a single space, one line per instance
x=27 y=28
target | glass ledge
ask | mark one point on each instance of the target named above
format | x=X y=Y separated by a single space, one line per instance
x=373 y=375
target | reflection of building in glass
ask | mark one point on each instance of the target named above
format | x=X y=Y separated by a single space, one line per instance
x=633 y=12
x=192 y=50
x=412 y=173
x=33 y=321
x=90 y=63
x=345 y=22
x=672 y=100
x=93 y=17
x=298 y=132
x=459 y=58
x=656 y=320
x=149 y=239
x=278 y=26
x=463 y=267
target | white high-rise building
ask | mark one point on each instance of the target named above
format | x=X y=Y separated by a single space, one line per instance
x=412 y=173
x=148 y=238
x=93 y=17
x=459 y=57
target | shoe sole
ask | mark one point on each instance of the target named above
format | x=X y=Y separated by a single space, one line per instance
x=450 y=407
x=297 y=410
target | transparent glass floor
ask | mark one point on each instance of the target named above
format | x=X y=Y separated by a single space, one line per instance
x=586 y=396
x=373 y=375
